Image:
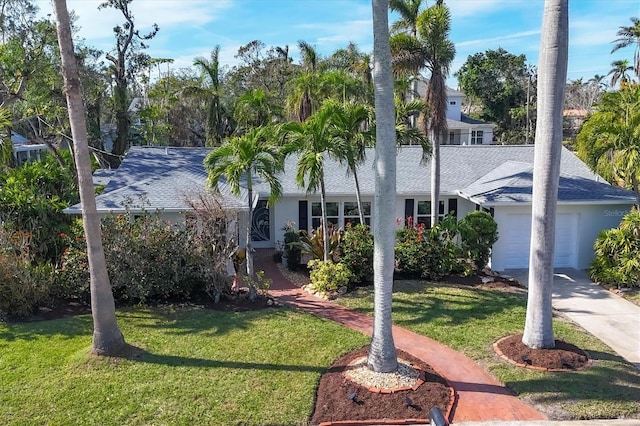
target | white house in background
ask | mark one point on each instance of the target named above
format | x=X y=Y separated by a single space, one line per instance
x=24 y=152
x=494 y=178
x=462 y=129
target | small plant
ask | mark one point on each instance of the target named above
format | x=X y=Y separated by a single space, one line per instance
x=327 y=276
x=478 y=231
x=261 y=283
x=292 y=249
x=314 y=244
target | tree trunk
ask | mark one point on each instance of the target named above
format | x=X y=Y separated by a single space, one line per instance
x=552 y=69
x=435 y=177
x=358 y=198
x=325 y=222
x=249 y=247
x=382 y=355
x=107 y=338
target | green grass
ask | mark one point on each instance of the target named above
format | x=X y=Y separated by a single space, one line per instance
x=471 y=319
x=194 y=366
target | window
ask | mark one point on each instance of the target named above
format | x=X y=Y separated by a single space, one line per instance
x=423 y=213
x=351 y=215
x=452 y=138
x=332 y=214
x=476 y=137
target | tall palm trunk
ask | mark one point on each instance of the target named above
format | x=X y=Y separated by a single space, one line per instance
x=552 y=71
x=107 y=338
x=358 y=197
x=249 y=246
x=325 y=222
x=435 y=177
x=382 y=355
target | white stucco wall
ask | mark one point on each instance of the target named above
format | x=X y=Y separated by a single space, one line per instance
x=591 y=220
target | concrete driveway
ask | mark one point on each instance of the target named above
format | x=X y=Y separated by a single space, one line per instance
x=607 y=316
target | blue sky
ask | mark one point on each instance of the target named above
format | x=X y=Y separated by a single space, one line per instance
x=191 y=28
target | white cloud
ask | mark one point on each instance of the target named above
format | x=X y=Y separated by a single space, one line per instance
x=499 y=39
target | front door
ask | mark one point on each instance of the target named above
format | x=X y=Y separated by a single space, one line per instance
x=260 y=225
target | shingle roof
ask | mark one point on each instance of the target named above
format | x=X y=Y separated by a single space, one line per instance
x=460 y=166
x=512 y=182
x=159 y=179
x=485 y=173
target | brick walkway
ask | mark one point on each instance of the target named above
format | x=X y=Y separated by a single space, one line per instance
x=479 y=396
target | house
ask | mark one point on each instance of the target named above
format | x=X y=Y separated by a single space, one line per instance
x=494 y=178
x=463 y=130
x=24 y=152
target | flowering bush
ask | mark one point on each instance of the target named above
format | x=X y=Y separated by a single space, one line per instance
x=428 y=253
x=327 y=276
x=357 y=252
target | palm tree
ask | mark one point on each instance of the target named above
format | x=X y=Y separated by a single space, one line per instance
x=107 y=338
x=238 y=161
x=620 y=71
x=409 y=10
x=609 y=141
x=433 y=29
x=210 y=90
x=256 y=108
x=626 y=37
x=382 y=355
x=349 y=122
x=312 y=138
x=303 y=100
x=552 y=69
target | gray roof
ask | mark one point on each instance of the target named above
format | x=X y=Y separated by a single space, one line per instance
x=152 y=178
x=463 y=169
x=512 y=182
x=159 y=178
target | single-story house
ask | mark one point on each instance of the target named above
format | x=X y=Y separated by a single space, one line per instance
x=492 y=177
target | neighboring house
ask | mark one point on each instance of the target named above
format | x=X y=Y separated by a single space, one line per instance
x=462 y=129
x=495 y=178
x=24 y=152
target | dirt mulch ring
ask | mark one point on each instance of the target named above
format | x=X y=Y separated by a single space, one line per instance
x=483 y=280
x=564 y=357
x=339 y=399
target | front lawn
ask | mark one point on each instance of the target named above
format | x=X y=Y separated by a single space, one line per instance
x=470 y=319
x=191 y=366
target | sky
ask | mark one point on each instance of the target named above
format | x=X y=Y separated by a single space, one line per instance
x=192 y=28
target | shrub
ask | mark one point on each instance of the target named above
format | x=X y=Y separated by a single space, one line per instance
x=292 y=248
x=428 y=253
x=23 y=287
x=149 y=258
x=327 y=276
x=617 y=259
x=478 y=232
x=357 y=252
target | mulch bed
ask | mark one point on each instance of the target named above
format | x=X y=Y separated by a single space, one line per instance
x=238 y=303
x=333 y=402
x=564 y=357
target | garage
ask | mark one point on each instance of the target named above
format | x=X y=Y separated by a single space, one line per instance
x=518 y=240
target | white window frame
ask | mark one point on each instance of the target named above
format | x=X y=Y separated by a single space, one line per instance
x=342 y=218
x=477 y=137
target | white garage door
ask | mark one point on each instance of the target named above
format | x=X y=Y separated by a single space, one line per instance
x=518 y=236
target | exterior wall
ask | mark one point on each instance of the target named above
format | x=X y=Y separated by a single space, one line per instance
x=454 y=111
x=465 y=207
x=487 y=138
x=591 y=220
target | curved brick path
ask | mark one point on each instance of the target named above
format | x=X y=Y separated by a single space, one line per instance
x=479 y=396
